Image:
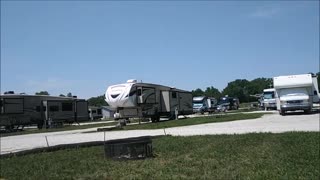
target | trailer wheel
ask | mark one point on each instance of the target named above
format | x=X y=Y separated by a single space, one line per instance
x=282 y=112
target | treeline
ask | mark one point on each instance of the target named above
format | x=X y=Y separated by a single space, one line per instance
x=97 y=101
x=93 y=101
x=240 y=88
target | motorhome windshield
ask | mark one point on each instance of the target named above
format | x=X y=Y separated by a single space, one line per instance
x=197 y=105
x=268 y=95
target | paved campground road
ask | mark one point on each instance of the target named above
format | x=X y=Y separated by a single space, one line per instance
x=268 y=123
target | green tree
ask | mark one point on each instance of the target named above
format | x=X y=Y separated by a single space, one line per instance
x=212 y=92
x=257 y=86
x=62 y=95
x=69 y=94
x=238 y=88
x=42 y=93
x=97 y=101
x=197 y=92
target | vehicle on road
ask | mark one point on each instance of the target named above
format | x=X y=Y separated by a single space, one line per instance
x=296 y=92
x=268 y=99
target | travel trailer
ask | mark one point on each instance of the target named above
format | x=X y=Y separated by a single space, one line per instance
x=268 y=99
x=41 y=110
x=202 y=104
x=95 y=112
x=144 y=100
x=295 y=92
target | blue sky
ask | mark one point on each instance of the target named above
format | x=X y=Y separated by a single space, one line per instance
x=83 y=47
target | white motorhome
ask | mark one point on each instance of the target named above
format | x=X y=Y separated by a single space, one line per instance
x=42 y=110
x=202 y=104
x=268 y=99
x=146 y=100
x=295 y=92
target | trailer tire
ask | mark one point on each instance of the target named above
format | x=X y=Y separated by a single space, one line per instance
x=282 y=112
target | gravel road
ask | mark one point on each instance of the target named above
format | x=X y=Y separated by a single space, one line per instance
x=268 y=123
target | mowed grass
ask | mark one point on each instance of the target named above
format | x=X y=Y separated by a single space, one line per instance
x=194 y=121
x=251 y=156
x=64 y=128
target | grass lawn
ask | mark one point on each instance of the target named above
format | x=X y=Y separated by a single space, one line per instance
x=64 y=128
x=193 y=121
x=250 y=156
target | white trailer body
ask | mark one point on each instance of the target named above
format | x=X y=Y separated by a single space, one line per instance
x=294 y=92
x=269 y=100
x=146 y=100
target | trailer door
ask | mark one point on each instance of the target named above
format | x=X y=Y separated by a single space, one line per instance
x=165 y=101
x=174 y=101
x=185 y=102
x=82 y=111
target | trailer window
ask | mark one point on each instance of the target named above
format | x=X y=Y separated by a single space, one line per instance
x=99 y=111
x=148 y=95
x=174 y=95
x=67 y=106
x=132 y=93
x=315 y=93
x=13 y=106
x=54 y=108
x=93 y=111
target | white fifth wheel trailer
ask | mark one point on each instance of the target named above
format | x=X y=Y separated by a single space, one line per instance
x=144 y=100
x=295 y=92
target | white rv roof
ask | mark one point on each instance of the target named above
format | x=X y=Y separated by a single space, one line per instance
x=291 y=81
x=269 y=90
x=199 y=98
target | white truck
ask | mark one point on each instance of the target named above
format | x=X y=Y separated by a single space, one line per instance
x=268 y=99
x=296 y=92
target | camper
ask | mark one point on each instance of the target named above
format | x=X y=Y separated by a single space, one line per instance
x=40 y=110
x=95 y=112
x=144 y=100
x=202 y=104
x=295 y=92
x=268 y=99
